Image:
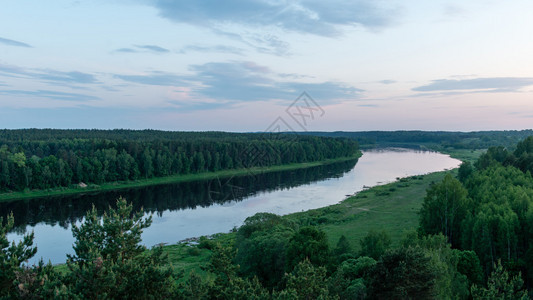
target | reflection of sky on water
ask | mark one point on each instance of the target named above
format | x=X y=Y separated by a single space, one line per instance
x=375 y=167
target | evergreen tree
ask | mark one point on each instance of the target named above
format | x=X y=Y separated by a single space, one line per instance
x=11 y=257
x=501 y=286
x=109 y=262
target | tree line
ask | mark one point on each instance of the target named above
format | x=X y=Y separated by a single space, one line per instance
x=473 y=242
x=488 y=209
x=66 y=210
x=440 y=139
x=271 y=258
x=47 y=158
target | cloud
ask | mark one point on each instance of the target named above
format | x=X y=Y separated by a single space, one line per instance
x=49 y=94
x=306 y=16
x=47 y=75
x=263 y=43
x=126 y=50
x=68 y=77
x=495 y=85
x=154 y=78
x=14 y=43
x=153 y=48
x=242 y=81
x=143 y=48
x=387 y=81
x=207 y=49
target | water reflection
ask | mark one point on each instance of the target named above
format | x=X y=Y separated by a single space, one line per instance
x=65 y=210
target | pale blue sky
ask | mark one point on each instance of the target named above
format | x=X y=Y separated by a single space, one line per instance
x=238 y=65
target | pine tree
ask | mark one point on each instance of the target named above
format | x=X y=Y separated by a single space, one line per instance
x=12 y=256
x=109 y=262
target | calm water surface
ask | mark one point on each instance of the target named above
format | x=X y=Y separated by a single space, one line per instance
x=198 y=208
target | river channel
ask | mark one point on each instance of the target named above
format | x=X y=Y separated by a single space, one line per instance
x=191 y=209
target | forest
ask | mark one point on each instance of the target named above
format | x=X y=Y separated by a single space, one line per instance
x=436 y=140
x=37 y=159
x=473 y=242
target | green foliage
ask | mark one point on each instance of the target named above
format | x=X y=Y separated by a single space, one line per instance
x=262 y=244
x=305 y=282
x=41 y=282
x=205 y=243
x=444 y=208
x=450 y=283
x=342 y=251
x=442 y=139
x=308 y=243
x=350 y=280
x=227 y=283
x=47 y=158
x=12 y=256
x=469 y=265
x=403 y=273
x=501 y=286
x=109 y=262
x=261 y=222
x=465 y=170
x=194 y=288
x=375 y=243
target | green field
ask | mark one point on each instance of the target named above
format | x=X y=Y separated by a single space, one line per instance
x=163 y=180
x=391 y=207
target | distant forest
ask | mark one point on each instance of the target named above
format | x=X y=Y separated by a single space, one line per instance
x=416 y=138
x=49 y=158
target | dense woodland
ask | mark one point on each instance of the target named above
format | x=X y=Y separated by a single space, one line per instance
x=67 y=210
x=474 y=241
x=433 y=139
x=45 y=158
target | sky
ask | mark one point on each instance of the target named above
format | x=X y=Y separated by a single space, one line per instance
x=267 y=65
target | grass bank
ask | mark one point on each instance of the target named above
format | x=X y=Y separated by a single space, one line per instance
x=4 y=197
x=391 y=207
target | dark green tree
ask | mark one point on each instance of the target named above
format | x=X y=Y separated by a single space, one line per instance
x=227 y=284
x=12 y=255
x=469 y=265
x=350 y=280
x=308 y=243
x=41 y=281
x=403 y=273
x=305 y=282
x=262 y=243
x=444 y=208
x=465 y=170
x=501 y=286
x=374 y=244
x=109 y=262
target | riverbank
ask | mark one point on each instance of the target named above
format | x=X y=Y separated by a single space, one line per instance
x=391 y=207
x=13 y=196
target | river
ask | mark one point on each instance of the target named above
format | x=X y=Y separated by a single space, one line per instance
x=191 y=209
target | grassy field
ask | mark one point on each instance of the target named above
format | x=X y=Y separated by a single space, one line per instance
x=392 y=207
x=162 y=180
x=465 y=155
